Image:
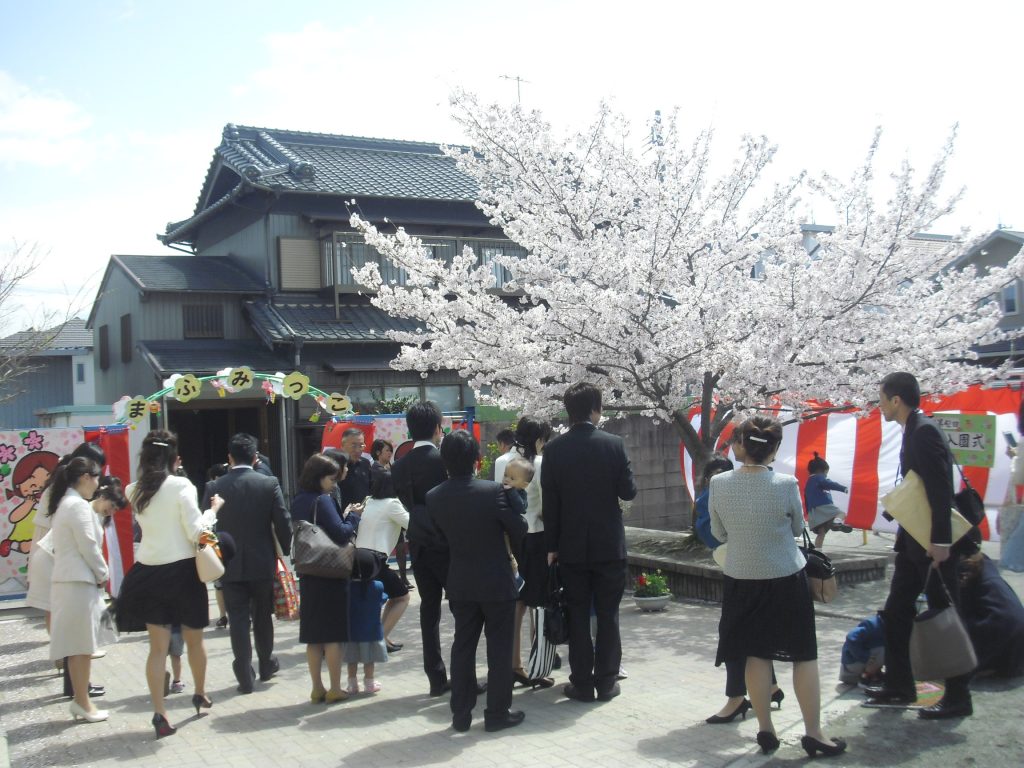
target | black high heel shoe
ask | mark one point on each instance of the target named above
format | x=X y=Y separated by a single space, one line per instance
x=777 y=697
x=541 y=682
x=519 y=677
x=812 y=746
x=769 y=742
x=741 y=710
x=162 y=727
x=200 y=700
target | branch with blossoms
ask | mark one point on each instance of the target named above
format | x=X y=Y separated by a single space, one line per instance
x=666 y=285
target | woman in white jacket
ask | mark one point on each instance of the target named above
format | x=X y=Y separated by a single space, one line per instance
x=79 y=575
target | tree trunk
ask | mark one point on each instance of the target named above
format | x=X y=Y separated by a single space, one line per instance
x=701 y=445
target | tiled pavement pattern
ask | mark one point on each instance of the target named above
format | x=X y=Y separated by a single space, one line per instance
x=657 y=721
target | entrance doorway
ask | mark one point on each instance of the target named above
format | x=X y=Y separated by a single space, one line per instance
x=204 y=429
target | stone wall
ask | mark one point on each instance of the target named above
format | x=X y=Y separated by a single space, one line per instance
x=663 y=502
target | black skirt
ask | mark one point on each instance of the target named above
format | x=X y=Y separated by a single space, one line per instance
x=323 y=610
x=162 y=594
x=768 y=619
x=533 y=567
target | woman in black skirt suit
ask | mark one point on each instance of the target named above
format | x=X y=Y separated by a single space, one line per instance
x=163 y=586
x=767 y=612
x=323 y=602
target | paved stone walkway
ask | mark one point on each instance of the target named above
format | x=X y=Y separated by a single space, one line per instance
x=658 y=721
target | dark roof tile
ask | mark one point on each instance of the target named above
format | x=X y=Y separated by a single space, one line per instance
x=207 y=356
x=211 y=274
x=70 y=335
x=312 y=320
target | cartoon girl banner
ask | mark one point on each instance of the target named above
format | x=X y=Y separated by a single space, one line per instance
x=27 y=459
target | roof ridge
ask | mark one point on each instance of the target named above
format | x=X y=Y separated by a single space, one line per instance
x=234 y=128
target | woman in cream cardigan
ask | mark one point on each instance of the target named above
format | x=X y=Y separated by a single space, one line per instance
x=79 y=575
x=163 y=587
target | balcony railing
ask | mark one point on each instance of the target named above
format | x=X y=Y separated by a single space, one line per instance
x=344 y=251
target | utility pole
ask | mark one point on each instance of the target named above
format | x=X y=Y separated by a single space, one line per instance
x=519 y=82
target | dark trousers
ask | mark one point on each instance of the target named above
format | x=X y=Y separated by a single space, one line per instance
x=735 y=678
x=594 y=662
x=497 y=620
x=245 y=599
x=908 y=580
x=430 y=569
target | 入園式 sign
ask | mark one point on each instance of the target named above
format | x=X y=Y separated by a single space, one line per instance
x=972 y=437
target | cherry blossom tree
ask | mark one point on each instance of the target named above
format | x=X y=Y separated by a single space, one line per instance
x=672 y=288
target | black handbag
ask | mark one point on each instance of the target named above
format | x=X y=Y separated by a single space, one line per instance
x=315 y=553
x=968 y=501
x=821 y=573
x=556 y=613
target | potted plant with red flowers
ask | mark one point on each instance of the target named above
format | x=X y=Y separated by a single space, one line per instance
x=651 y=593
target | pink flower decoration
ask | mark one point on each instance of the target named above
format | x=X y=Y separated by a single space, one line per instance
x=8 y=453
x=33 y=441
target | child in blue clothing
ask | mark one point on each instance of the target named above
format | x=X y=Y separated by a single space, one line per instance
x=716 y=465
x=365 y=634
x=863 y=652
x=822 y=515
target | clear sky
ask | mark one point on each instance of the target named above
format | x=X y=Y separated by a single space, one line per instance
x=110 y=111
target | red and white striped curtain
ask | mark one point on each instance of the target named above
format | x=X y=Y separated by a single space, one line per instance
x=863 y=454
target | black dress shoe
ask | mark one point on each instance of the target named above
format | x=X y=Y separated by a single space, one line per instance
x=609 y=694
x=269 y=669
x=892 y=696
x=245 y=676
x=945 y=709
x=813 y=746
x=740 y=711
x=439 y=689
x=572 y=692
x=511 y=720
x=461 y=723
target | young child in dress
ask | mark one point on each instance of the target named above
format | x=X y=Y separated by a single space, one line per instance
x=822 y=514
x=365 y=644
x=518 y=474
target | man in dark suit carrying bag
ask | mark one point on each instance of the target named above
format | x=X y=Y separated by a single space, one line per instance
x=473 y=517
x=420 y=470
x=253 y=513
x=925 y=450
x=586 y=473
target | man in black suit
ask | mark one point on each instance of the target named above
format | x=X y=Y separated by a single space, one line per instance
x=253 y=513
x=472 y=517
x=586 y=472
x=925 y=450
x=420 y=470
x=356 y=485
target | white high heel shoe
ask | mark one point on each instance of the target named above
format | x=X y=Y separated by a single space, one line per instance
x=96 y=716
